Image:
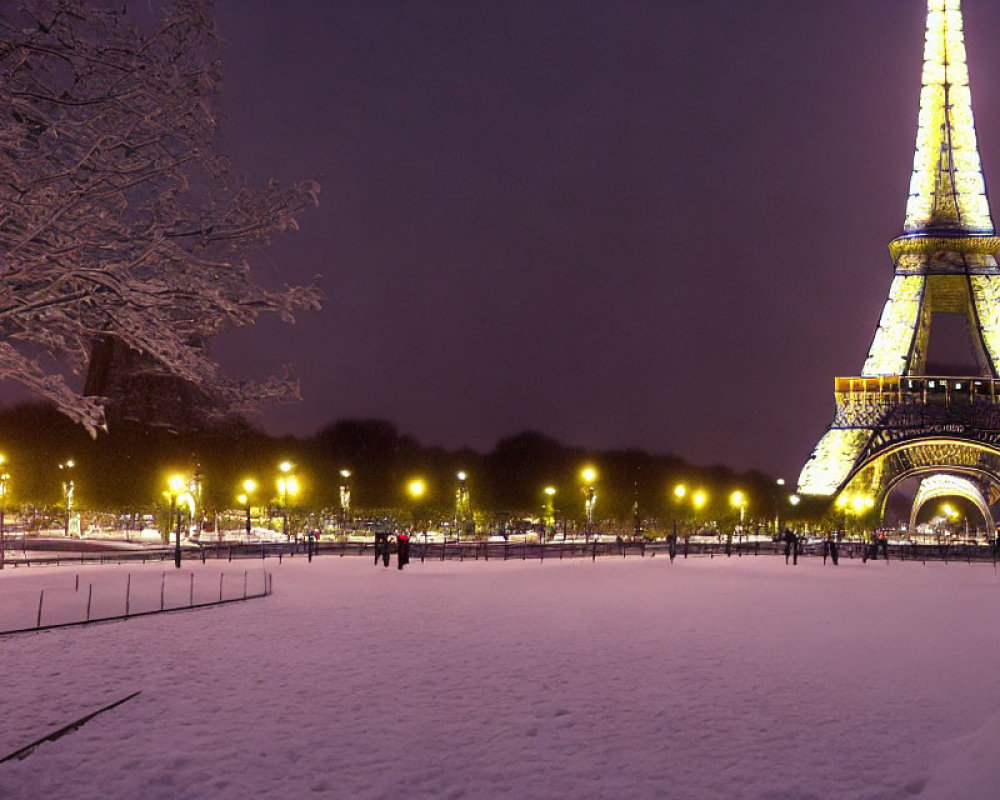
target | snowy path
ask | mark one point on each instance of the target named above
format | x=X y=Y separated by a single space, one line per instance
x=737 y=678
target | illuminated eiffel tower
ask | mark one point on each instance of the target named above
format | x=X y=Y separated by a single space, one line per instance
x=902 y=418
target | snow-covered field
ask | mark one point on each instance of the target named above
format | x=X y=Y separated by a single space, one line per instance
x=725 y=678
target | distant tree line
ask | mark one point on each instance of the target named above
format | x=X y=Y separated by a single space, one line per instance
x=127 y=469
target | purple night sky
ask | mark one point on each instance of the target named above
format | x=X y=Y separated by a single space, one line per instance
x=653 y=224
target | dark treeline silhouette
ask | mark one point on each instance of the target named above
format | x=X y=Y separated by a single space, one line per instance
x=127 y=469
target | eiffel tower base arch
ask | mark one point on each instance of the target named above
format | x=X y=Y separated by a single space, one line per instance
x=971 y=467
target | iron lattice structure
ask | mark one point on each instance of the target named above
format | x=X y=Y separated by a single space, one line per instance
x=895 y=420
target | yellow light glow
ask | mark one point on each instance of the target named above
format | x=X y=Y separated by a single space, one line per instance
x=176 y=483
x=285 y=466
x=345 y=473
x=589 y=475
x=416 y=488
x=897 y=328
x=947 y=190
x=241 y=499
x=680 y=491
x=832 y=460
x=737 y=499
x=249 y=486
x=699 y=498
x=794 y=499
x=550 y=490
x=462 y=476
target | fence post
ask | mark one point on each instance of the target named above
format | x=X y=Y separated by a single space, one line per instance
x=41 y=597
x=90 y=594
x=244 y=584
x=77 y=588
x=128 y=589
x=191 y=600
x=163 y=580
x=223 y=575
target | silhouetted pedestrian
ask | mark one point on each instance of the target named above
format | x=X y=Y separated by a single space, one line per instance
x=834 y=549
x=402 y=549
x=791 y=546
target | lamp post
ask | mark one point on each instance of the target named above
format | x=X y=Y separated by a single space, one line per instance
x=345 y=496
x=4 y=477
x=739 y=500
x=68 y=490
x=175 y=488
x=780 y=484
x=699 y=499
x=589 y=476
x=463 y=506
x=249 y=487
x=549 y=508
x=288 y=484
x=416 y=488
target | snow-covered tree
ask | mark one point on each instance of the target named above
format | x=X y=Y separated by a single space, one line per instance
x=119 y=218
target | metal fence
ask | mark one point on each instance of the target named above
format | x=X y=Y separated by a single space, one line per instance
x=138 y=595
x=478 y=550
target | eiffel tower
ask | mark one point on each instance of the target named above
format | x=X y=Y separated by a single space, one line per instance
x=905 y=417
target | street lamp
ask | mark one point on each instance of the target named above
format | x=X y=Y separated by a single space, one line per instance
x=416 y=489
x=550 y=507
x=739 y=500
x=288 y=484
x=175 y=488
x=463 y=505
x=345 y=495
x=589 y=476
x=699 y=499
x=4 y=477
x=68 y=489
x=249 y=487
x=780 y=483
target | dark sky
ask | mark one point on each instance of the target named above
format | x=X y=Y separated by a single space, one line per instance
x=654 y=224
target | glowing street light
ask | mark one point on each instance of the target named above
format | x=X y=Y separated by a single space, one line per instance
x=4 y=477
x=416 y=488
x=249 y=487
x=780 y=484
x=68 y=490
x=175 y=488
x=739 y=500
x=589 y=475
x=463 y=504
x=345 y=494
x=288 y=484
x=550 y=507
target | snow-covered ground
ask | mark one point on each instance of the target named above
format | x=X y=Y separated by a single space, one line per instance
x=724 y=678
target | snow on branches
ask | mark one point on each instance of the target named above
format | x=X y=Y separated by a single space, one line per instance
x=118 y=216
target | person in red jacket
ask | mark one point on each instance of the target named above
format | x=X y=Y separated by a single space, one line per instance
x=402 y=549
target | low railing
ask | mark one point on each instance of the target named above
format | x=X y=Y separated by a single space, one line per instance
x=139 y=594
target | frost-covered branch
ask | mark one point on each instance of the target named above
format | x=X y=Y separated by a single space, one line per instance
x=118 y=216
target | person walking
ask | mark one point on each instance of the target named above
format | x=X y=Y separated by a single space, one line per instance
x=402 y=549
x=834 y=549
x=791 y=546
x=379 y=538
